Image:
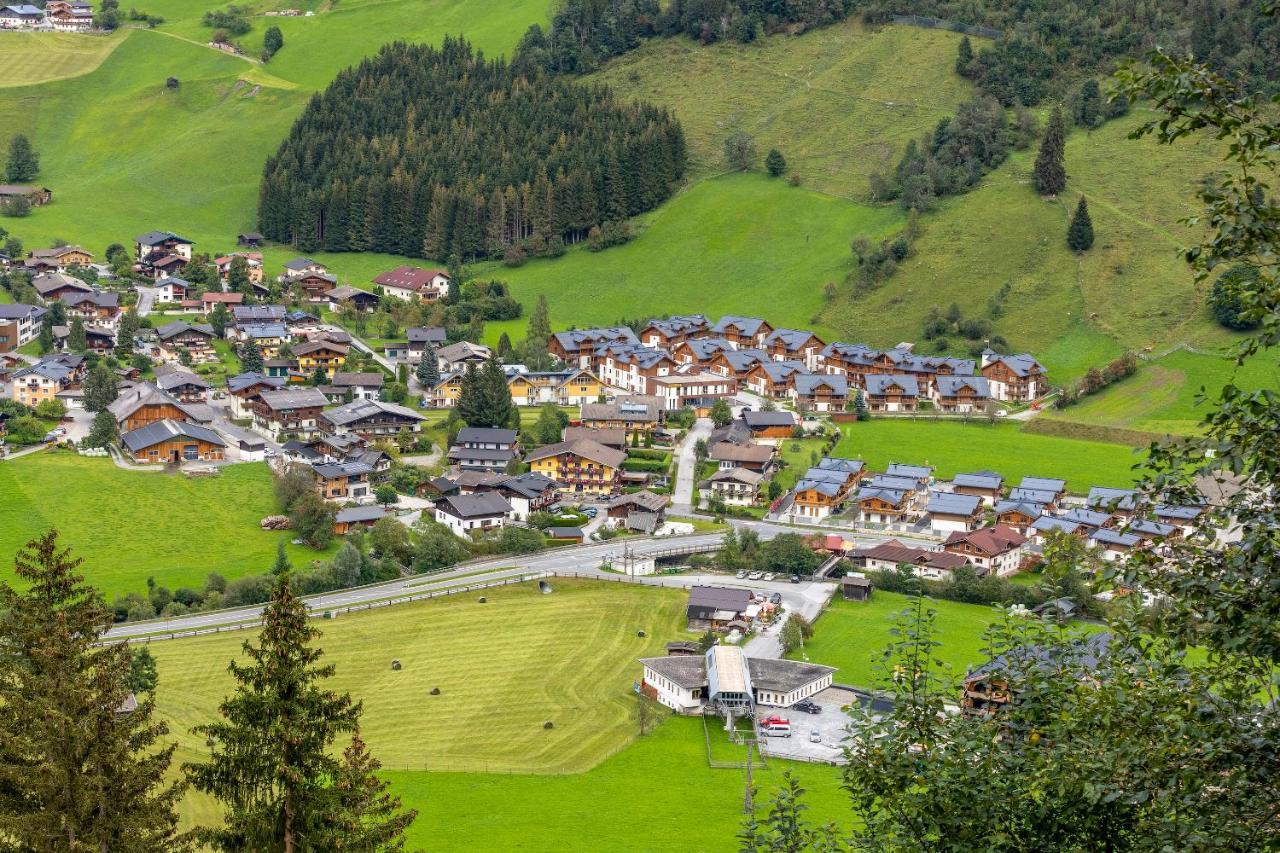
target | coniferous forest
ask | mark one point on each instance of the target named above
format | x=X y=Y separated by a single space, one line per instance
x=442 y=153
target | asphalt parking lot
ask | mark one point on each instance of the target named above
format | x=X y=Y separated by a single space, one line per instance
x=832 y=724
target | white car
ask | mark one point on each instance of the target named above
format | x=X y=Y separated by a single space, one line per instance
x=769 y=576
x=755 y=576
x=742 y=573
x=815 y=736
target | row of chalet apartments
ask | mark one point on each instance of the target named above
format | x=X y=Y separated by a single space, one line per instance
x=994 y=526
x=687 y=360
x=61 y=16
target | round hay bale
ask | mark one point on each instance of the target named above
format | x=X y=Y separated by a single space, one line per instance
x=484 y=599
x=548 y=725
x=435 y=691
x=395 y=665
x=641 y=634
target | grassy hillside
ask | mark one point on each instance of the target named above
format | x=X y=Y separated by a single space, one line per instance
x=733 y=244
x=28 y=58
x=838 y=102
x=954 y=448
x=131 y=525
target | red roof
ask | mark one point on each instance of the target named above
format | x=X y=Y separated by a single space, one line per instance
x=990 y=541
x=409 y=278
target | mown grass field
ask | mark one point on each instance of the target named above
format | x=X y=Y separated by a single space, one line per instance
x=27 y=58
x=131 y=525
x=953 y=448
x=838 y=102
x=684 y=804
x=853 y=635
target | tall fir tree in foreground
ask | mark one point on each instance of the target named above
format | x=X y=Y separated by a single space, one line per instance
x=80 y=768
x=23 y=163
x=1050 y=175
x=1080 y=231
x=428 y=370
x=251 y=358
x=272 y=768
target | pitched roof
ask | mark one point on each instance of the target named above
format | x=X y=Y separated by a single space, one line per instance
x=178 y=327
x=573 y=340
x=783 y=676
x=425 y=334
x=49 y=282
x=358 y=410
x=486 y=435
x=728 y=452
x=360 y=513
x=158 y=431
x=895 y=552
x=947 y=503
x=530 y=485
x=1020 y=365
x=809 y=383
x=978 y=481
x=736 y=475
x=720 y=598
x=643 y=499
x=1030 y=509
x=584 y=447
x=177 y=378
x=317 y=346
x=1043 y=484
x=1108 y=498
x=686 y=671
x=463 y=350
x=882 y=383
x=990 y=541
x=298 y=264
x=763 y=420
x=408 y=278
x=1103 y=536
x=950 y=386
x=916 y=472
x=791 y=339
x=745 y=325
x=476 y=505
x=370 y=379
x=1039 y=496
x=154 y=238
x=295 y=398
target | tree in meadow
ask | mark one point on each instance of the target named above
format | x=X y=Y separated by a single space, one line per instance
x=740 y=151
x=1050 y=175
x=775 y=163
x=23 y=163
x=80 y=764
x=1080 y=231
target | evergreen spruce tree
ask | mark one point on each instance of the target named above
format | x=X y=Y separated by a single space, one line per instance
x=282 y=564
x=964 y=58
x=471 y=403
x=534 y=347
x=1090 y=111
x=505 y=350
x=1080 y=231
x=79 y=764
x=251 y=358
x=428 y=370
x=271 y=769
x=100 y=388
x=775 y=163
x=124 y=336
x=24 y=163
x=499 y=407
x=1050 y=176
x=366 y=819
x=45 y=340
x=219 y=318
x=77 y=341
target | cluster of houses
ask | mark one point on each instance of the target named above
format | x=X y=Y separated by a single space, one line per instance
x=64 y=16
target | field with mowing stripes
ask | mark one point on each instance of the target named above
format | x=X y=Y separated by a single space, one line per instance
x=131 y=525
x=27 y=58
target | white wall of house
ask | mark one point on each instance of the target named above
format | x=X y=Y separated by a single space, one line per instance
x=943 y=525
x=680 y=699
x=774 y=699
x=463 y=526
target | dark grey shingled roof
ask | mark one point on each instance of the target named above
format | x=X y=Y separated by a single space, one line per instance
x=783 y=676
x=154 y=433
x=475 y=505
x=688 y=671
x=360 y=513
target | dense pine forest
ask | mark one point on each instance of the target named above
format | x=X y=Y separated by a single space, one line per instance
x=442 y=153
x=1043 y=40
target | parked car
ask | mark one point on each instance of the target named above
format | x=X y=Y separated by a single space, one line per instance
x=591 y=512
x=742 y=573
x=815 y=736
x=769 y=576
x=808 y=706
x=775 y=598
x=795 y=579
x=755 y=576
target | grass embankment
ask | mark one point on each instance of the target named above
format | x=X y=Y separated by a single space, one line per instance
x=954 y=448
x=131 y=525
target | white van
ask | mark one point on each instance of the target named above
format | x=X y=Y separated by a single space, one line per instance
x=776 y=729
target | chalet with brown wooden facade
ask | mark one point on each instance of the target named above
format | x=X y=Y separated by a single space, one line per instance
x=666 y=334
x=169 y=441
x=742 y=332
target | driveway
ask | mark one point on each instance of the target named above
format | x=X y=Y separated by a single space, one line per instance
x=687 y=467
x=831 y=724
x=146 y=299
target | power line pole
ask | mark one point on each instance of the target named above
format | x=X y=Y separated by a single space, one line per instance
x=748 y=807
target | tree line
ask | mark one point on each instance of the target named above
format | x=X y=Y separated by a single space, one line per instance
x=442 y=153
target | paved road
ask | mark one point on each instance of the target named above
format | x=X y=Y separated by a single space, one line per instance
x=687 y=467
x=146 y=299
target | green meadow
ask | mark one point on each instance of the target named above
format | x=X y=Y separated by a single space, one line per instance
x=958 y=447
x=131 y=525
x=27 y=58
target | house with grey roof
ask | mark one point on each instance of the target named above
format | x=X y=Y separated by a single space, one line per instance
x=950 y=513
x=369 y=419
x=987 y=485
x=960 y=394
x=477 y=512
x=694 y=684
x=173 y=441
x=742 y=332
x=1016 y=378
x=892 y=392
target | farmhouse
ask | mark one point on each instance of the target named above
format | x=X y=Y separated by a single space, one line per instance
x=66 y=16
x=368 y=419
x=343 y=480
x=690 y=684
x=146 y=403
x=173 y=441
x=407 y=282
x=582 y=466
x=58 y=259
x=994 y=550
x=20 y=17
x=357 y=518
x=480 y=511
